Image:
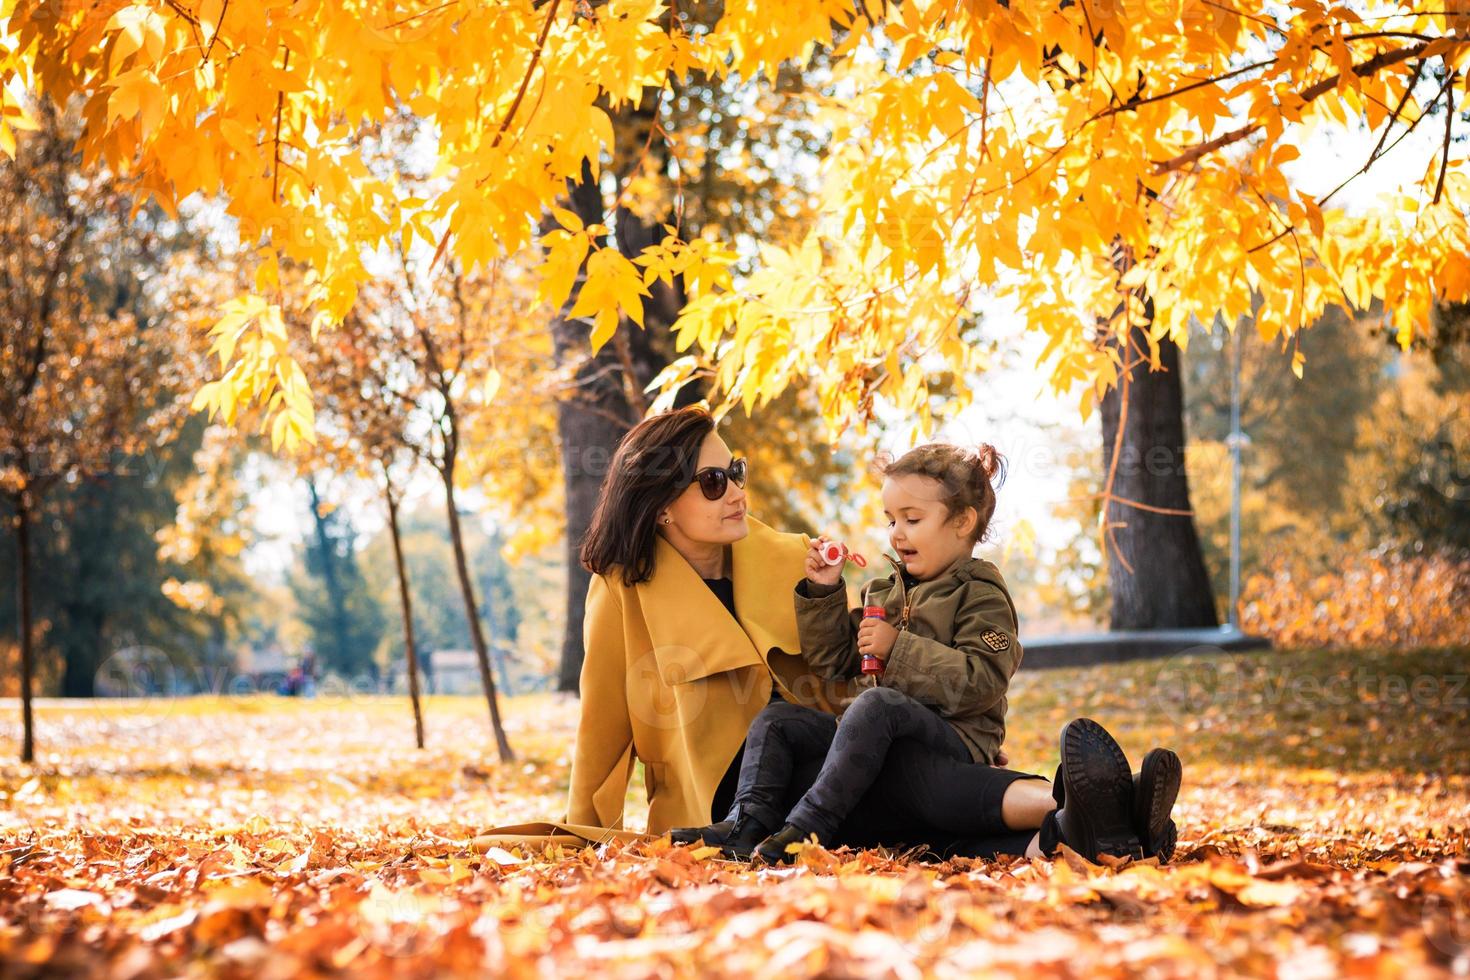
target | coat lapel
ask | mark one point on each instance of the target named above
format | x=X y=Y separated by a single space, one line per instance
x=693 y=634
x=767 y=566
x=677 y=606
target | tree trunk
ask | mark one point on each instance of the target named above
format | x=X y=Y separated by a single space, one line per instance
x=410 y=650
x=587 y=442
x=27 y=652
x=1168 y=586
x=589 y=423
x=609 y=398
x=341 y=657
x=498 y=654
x=471 y=609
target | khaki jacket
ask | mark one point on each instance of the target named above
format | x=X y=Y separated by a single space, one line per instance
x=671 y=679
x=956 y=647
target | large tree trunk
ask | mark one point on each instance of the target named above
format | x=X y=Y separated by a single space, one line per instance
x=609 y=398
x=1168 y=585
x=472 y=611
x=410 y=650
x=83 y=642
x=27 y=651
x=589 y=424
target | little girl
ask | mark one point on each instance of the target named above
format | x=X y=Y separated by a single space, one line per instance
x=946 y=645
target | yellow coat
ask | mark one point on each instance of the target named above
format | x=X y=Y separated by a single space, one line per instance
x=671 y=679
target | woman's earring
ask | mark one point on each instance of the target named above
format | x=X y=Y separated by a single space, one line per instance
x=668 y=520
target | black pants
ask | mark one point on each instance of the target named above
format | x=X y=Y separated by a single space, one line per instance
x=853 y=750
x=948 y=804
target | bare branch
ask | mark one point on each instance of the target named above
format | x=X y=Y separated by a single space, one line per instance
x=1383 y=59
x=280 y=110
x=1449 y=120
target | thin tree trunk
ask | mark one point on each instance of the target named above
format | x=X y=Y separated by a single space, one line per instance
x=336 y=595
x=477 y=632
x=1167 y=586
x=411 y=655
x=27 y=652
x=497 y=653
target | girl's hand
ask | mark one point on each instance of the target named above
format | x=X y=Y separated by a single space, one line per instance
x=818 y=570
x=876 y=638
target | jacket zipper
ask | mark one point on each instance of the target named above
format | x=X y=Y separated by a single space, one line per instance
x=908 y=603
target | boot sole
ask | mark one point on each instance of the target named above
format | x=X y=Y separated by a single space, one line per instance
x=1103 y=821
x=1158 y=788
x=1165 y=852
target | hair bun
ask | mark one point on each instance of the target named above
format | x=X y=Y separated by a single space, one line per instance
x=991 y=463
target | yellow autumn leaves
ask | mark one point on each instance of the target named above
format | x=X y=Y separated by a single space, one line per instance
x=251 y=344
x=977 y=153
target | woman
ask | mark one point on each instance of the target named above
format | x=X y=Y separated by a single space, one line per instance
x=690 y=631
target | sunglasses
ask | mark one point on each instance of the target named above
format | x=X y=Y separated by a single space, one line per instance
x=714 y=480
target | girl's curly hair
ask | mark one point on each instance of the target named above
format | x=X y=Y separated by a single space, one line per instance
x=969 y=477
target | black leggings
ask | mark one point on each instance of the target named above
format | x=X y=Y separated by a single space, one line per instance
x=920 y=798
x=853 y=748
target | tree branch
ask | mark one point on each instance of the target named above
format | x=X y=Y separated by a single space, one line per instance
x=1390 y=148
x=280 y=111
x=1379 y=61
x=1449 y=119
x=509 y=115
x=224 y=9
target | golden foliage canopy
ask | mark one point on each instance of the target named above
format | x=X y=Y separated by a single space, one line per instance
x=1070 y=158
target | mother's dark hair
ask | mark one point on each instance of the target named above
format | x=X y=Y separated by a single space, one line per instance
x=653 y=464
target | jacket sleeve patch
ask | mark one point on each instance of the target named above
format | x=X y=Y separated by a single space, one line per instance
x=996 y=640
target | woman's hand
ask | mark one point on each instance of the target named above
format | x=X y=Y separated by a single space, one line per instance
x=818 y=570
x=876 y=638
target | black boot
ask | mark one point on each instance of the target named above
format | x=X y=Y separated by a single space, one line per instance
x=1155 y=787
x=747 y=832
x=714 y=833
x=772 y=850
x=739 y=829
x=1098 y=789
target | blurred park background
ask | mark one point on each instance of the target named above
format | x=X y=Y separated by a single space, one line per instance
x=169 y=553
x=222 y=471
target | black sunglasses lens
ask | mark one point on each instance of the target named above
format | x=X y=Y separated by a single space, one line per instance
x=737 y=472
x=713 y=483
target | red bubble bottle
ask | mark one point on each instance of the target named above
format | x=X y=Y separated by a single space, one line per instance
x=871 y=664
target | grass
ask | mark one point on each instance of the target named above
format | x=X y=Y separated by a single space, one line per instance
x=1358 y=717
